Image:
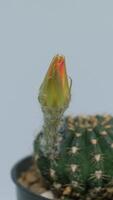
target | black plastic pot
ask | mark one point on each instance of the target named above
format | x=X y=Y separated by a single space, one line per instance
x=22 y=192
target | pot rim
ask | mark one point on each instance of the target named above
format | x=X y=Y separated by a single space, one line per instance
x=14 y=178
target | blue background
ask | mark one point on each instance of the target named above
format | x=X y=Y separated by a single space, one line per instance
x=31 y=33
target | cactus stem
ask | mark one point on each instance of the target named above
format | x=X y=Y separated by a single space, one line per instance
x=84 y=159
x=52 y=119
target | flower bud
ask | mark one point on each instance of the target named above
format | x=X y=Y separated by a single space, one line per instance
x=55 y=91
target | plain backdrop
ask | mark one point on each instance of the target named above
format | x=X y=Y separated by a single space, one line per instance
x=31 y=33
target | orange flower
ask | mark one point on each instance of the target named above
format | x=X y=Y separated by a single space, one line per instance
x=55 y=90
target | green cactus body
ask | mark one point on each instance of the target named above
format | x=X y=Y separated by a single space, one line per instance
x=82 y=166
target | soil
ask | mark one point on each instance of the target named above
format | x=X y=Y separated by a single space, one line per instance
x=32 y=180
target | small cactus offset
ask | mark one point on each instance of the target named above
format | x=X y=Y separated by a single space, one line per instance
x=74 y=155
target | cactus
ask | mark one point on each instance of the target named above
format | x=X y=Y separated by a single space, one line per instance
x=75 y=155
